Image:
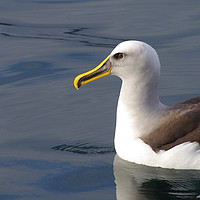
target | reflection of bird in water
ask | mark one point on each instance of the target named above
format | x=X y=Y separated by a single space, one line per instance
x=148 y=132
x=139 y=182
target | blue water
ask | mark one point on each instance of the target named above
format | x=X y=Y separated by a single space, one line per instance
x=56 y=142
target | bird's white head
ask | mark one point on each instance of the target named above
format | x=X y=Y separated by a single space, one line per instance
x=135 y=60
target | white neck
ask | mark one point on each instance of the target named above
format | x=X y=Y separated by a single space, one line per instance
x=138 y=108
x=140 y=96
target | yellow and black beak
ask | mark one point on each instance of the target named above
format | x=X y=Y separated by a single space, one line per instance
x=100 y=71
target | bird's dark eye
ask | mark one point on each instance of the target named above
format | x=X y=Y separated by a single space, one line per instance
x=119 y=56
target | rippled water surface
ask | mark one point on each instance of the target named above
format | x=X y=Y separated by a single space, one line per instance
x=56 y=142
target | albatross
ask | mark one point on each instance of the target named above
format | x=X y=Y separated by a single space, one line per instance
x=147 y=131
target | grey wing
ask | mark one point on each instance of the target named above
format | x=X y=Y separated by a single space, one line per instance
x=182 y=124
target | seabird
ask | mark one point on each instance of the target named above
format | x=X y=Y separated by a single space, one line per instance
x=147 y=131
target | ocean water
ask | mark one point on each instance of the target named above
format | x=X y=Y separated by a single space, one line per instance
x=56 y=142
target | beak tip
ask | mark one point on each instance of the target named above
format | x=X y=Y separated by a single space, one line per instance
x=77 y=83
x=76 y=86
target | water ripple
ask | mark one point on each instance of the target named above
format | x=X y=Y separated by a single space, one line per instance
x=57 y=32
x=84 y=149
x=26 y=70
